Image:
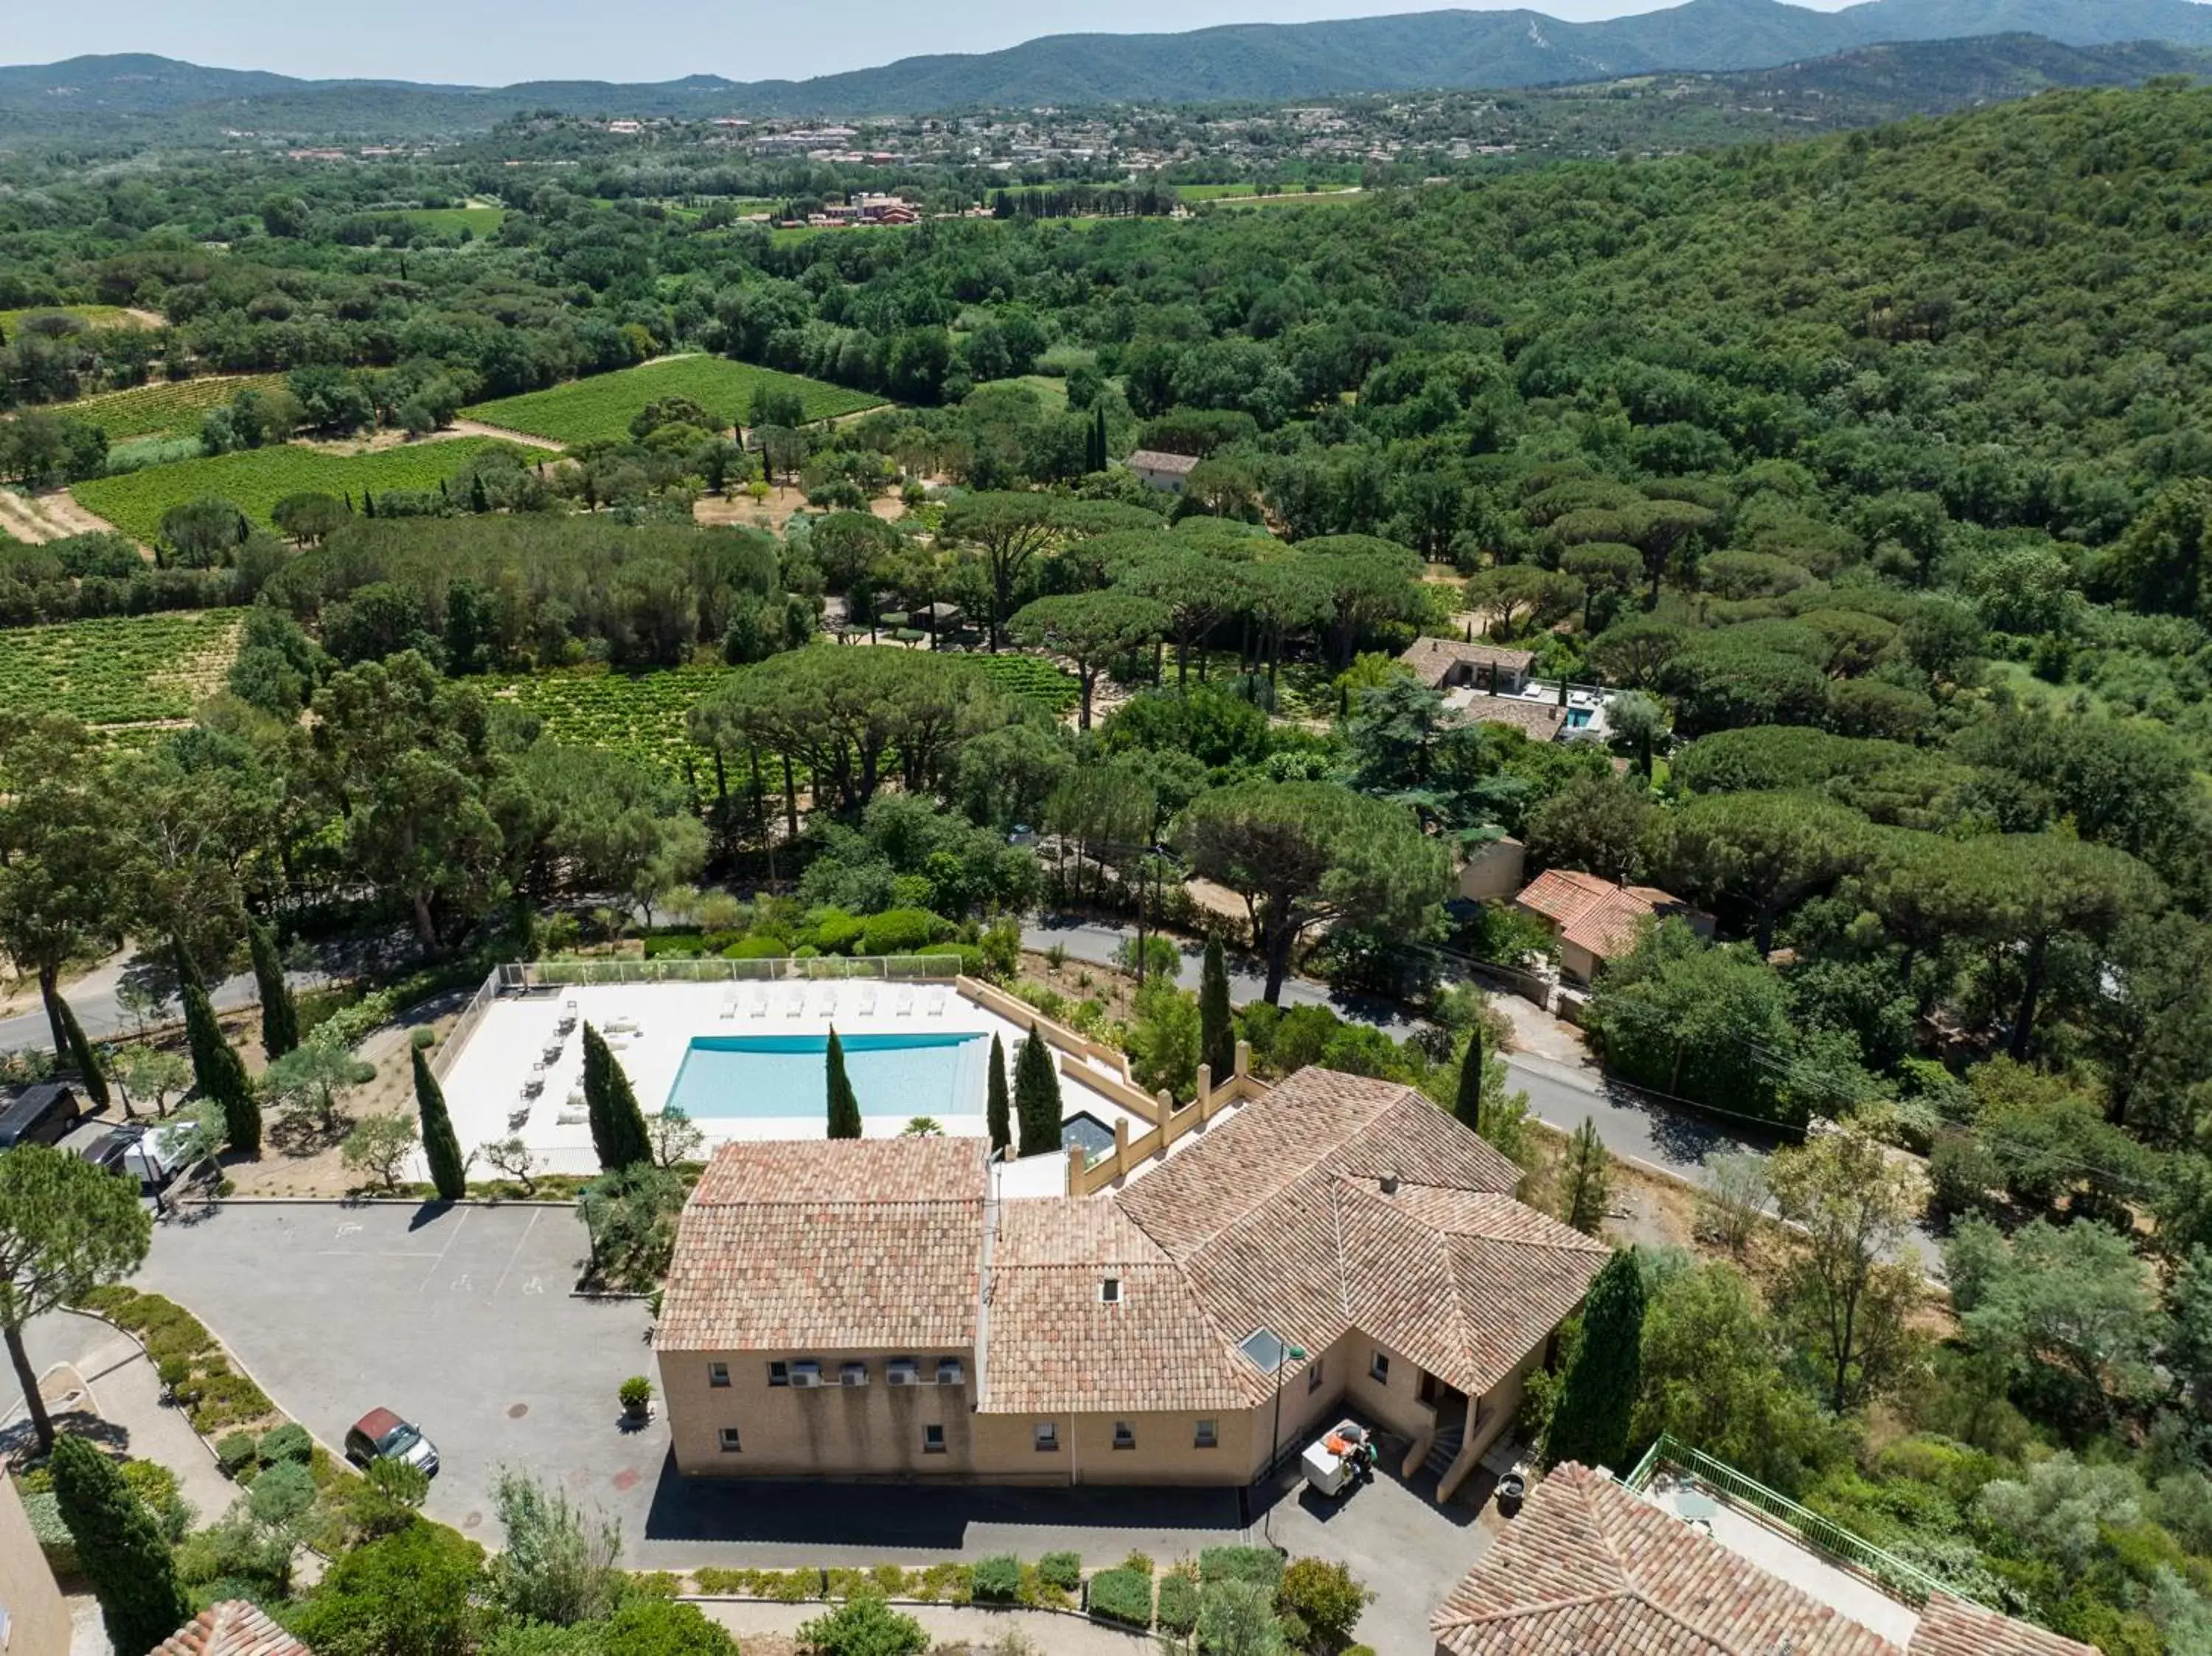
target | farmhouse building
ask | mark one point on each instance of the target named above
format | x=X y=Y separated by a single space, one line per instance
x=871 y=1309
x=1163 y=472
x=1595 y=919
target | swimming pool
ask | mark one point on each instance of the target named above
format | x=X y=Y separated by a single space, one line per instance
x=752 y=1077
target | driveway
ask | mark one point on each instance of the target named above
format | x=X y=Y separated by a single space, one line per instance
x=460 y=1319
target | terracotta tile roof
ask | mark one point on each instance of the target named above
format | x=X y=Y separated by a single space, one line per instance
x=1432 y=659
x=837 y=1245
x=1539 y=721
x=231 y=1627
x=1594 y=914
x=1153 y=459
x=1952 y=1627
x=1587 y=1568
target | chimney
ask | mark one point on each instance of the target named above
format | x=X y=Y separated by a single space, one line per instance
x=1390 y=1182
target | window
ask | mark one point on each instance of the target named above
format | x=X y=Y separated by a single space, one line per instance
x=779 y=1374
x=1048 y=1437
x=932 y=1439
x=1109 y=1291
x=1125 y=1436
x=730 y=1444
x=1207 y=1435
x=1378 y=1369
x=1313 y=1376
x=718 y=1373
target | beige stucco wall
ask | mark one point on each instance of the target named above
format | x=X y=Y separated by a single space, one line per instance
x=37 y=1620
x=829 y=1431
x=1494 y=872
x=1578 y=963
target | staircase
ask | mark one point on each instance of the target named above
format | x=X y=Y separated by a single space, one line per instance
x=1446 y=1449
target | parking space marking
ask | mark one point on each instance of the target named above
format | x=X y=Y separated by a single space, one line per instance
x=517 y=1254
x=443 y=1251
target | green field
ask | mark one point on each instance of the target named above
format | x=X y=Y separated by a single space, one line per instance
x=93 y=316
x=599 y=410
x=478 y=221
x=1030 y=677
x=254 y=480
x=639 y=714
x=164 y=409
x=1250 y=193
x=119 y=669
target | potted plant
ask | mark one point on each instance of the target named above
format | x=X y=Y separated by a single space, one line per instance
x=636 y=1397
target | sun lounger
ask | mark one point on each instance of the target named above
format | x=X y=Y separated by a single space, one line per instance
x=906 y=1001
x=730 y=1004
x=828 y=1006
x=867 y=999
x=760 y=1000
x=568 y=1118
x=794 y=1004
x=937 y=1002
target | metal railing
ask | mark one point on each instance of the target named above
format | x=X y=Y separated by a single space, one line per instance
x=1907 y=1582
x=465 y=1025
x=522 y=977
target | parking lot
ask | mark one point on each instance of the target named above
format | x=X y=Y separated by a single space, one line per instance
x=461 y=1320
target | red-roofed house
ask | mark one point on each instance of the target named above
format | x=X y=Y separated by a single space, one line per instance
x=1595 y=919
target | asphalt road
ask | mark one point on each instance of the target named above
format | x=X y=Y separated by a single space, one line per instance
x=93 y=998
x=1628 y=1123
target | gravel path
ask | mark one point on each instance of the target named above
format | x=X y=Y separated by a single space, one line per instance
x=1050 y=1634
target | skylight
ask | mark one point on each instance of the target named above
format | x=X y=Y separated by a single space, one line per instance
x=1263 y=1348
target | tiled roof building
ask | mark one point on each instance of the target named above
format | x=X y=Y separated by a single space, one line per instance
x=1348 y=1217
x=231 y=1627
x=1439 y=662
x=1587 y=1567
x=1595 y=919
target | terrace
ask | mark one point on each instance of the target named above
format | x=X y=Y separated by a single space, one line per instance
x=739 y=1047
x=1820 y=1558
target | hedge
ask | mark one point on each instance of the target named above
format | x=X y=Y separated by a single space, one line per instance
x=290 y=1441
x=1063 y=1570
x=998 y=1581
x=1262 y=1565
x=1122 y=1595
x=53 y=1537
x=1178 y=1604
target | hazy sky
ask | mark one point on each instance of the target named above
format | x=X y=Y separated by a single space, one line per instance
x=492 y=42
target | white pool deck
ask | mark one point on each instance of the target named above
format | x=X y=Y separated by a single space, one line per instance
x=650 y=1027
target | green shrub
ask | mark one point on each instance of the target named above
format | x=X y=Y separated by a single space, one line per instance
x=54 y=1539
x=836 y=932
x=157 y=1486
x=711 y=1580
x=422 y=1037
x=1178 y=1604
x=998 y=1581
x=901 y=930
x=762 y=946
x=236 y=1453
x=1121 y=1596
x=290 y=1441
x=228 y=1400
x=945 y=1584
x=1262 y=1565
x=791 y=1586
x=865 y=1625
x=1063 y=1570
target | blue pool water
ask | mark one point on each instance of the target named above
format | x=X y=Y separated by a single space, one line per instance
x=725 y=1077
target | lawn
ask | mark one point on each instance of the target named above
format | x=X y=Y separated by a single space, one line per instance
x=92 y=315
x=119 y=669
x=165 y=409
x=600 y=409
x=254 y=480
x=478 y=221
x=1030 y=677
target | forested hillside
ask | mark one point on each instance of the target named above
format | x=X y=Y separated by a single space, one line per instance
x=1869 y=477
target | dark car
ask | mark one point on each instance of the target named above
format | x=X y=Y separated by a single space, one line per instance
x=38 y=1115
x=380 y=1434
x=104 y=1144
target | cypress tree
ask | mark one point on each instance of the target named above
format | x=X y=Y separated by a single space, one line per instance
x=996 y=1116
x=80 y=1054
x=1586 y=1180
x=448 y=1173
x=1466 y=1103
x=844 y=1107
x=618 y=1135
x=367 y=504
x=216 y=1071
x=1216 y=1027
x=119 y=1547
x=1036 y=1097
x=1590 y=1423
x=280 y=1013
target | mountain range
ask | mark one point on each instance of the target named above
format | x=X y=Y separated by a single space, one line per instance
x=1257 y=62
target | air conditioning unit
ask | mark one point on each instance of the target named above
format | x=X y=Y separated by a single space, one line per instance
x=902 y=1373
x=853 y=1373
x=948 y=1372
x=803 y=1375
